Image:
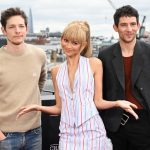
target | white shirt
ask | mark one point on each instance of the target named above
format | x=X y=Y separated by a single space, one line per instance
x=77 y=106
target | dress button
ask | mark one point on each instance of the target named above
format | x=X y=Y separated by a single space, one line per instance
x=141 y=88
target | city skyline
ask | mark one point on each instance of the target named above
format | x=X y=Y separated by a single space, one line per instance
x=57 y=14
x=30 y=22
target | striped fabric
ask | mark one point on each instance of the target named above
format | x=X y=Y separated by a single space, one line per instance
x=81 y=127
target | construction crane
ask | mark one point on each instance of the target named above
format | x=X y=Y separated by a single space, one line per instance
x=142 y=28
x=111 y=3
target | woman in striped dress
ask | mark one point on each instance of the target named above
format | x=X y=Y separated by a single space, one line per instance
x=78 y=91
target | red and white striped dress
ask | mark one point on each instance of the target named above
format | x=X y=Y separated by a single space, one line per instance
x=81 y=127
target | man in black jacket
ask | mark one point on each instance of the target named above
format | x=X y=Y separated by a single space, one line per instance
x=126 y=76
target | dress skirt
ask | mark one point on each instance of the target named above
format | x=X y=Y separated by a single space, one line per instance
x=91 y=135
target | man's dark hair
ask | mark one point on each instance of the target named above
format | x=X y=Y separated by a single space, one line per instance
x=127 y=11
x=10 y=12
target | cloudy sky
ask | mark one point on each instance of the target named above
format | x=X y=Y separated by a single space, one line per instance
x=56 y=14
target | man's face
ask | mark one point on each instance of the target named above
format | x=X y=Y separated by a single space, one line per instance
x=15 y=30
x=127 y=28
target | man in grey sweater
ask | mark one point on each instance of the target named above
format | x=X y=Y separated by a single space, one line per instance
x=22 y=76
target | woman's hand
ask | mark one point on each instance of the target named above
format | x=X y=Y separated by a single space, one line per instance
x=128 y=107
x=2 y=136
x=27 y=109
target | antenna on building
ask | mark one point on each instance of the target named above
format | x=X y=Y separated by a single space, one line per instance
x=30 y=22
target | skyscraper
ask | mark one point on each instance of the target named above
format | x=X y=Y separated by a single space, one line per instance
x=30 y=22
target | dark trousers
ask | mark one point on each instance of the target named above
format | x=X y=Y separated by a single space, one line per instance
x=134 y=135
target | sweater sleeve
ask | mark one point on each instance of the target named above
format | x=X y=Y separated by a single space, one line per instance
x=43 y=75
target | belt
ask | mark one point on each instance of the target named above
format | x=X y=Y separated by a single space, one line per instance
x=127 y=116
x=124 y=119
x=29 y=131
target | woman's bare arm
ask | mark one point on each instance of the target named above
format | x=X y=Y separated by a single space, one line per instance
x=96 y=66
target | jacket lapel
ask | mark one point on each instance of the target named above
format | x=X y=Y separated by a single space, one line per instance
x=137 y=62
x=118 y=64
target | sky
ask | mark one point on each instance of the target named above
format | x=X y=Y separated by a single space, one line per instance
x=56 y=14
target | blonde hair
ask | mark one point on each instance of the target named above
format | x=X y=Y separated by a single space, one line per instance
x=79 y=31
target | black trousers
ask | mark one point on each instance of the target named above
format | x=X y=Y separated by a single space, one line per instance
x=134 y=135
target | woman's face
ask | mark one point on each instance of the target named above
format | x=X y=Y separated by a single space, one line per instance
x=71 y=48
